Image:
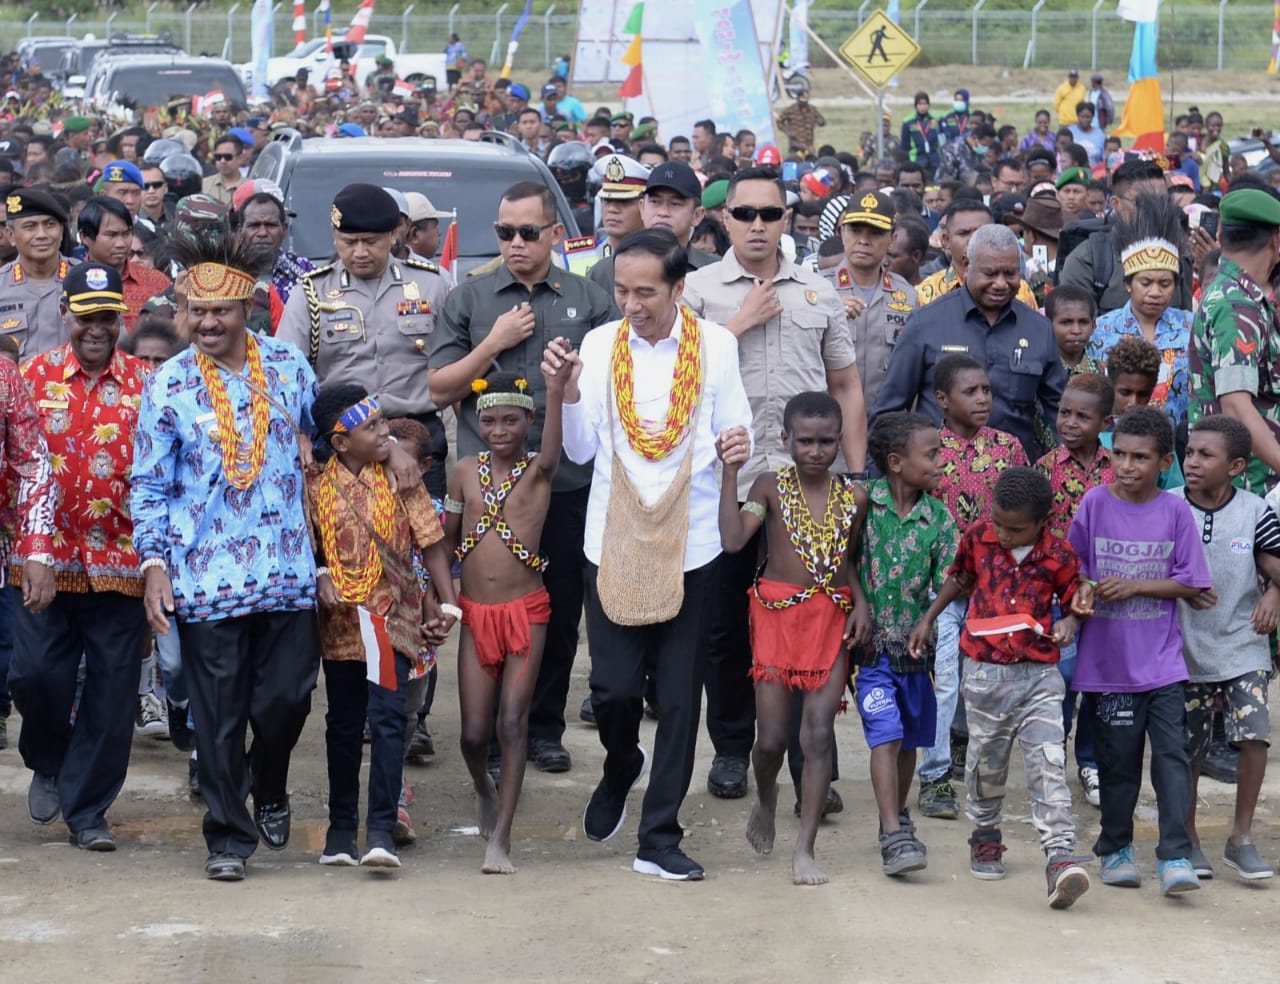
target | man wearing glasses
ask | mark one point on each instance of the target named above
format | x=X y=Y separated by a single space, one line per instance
x=222 y=184
x=793 y=337
x=504 y=320
x=155 y=206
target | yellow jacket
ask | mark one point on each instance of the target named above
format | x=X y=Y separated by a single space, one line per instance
x=1065 y=100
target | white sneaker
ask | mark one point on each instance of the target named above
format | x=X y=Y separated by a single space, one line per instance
x=153 y=718
x=1092 y=788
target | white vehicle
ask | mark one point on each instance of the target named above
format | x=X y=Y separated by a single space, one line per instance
x=312 y=55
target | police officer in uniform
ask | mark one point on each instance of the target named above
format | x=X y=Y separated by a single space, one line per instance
x=368 y=317
x=877 y=301
x=31 y=285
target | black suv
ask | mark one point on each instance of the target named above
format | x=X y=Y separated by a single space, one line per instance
x=463 y=177
x=77 y=61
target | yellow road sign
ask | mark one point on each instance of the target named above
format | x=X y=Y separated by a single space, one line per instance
x=879 y=49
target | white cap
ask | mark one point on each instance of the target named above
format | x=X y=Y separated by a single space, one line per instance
x=420 y=207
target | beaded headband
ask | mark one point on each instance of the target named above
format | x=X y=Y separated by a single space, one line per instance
x=486 y=400
x=216 y=282
x=353 y=417
x=1149 y=254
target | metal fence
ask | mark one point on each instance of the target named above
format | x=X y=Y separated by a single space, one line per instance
x=1225 y=36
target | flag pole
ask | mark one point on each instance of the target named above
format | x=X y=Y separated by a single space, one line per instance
x=1173 y=55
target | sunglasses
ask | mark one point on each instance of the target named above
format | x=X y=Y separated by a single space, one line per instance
x=154 y=185
x=224 y=157
x=748 y=213
x=529 y=233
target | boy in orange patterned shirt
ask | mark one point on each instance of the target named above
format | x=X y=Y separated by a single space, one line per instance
x=973 y=457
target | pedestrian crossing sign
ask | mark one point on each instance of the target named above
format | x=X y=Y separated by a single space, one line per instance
x=879 y=49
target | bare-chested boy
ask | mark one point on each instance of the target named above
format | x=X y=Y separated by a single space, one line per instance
x=500 y=497
x=806 y=611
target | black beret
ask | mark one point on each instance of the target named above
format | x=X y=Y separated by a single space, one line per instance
x=22 y=202
x=364 y=208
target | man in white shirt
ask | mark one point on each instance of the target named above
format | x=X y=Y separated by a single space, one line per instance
x=649 y=394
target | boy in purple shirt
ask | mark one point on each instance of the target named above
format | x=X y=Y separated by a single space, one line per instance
x=1140 y=551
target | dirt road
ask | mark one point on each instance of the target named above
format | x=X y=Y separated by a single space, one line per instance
x=575 y=911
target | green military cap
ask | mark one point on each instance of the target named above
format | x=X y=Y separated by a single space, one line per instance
x=642 y=131
x=623 y=117
x=75 y=124
x=1073 y=175
x=714 y=194
x=1250 y=205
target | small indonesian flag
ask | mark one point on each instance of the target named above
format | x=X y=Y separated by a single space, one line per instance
x=402 y=89
x=449 y=254
x=202 y=105
x=1003 y=625
x=379 y=657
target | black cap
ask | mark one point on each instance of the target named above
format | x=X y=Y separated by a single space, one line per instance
x=21 y=202
x=11 y=148
x=1007 y=205
x=91 y=287
x=676 y=175
x=364 y=208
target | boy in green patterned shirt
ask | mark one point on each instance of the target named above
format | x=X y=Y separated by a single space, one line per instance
x=908 y=543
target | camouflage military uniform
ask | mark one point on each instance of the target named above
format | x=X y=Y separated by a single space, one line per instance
x=1234 y=349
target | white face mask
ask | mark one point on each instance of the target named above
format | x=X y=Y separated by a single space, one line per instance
x=959 y=106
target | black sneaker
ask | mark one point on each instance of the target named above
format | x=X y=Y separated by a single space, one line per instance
x=272 y=821
x=548 y=755
x=832 y=804
x=340 y=848
x=43 y=806
x=193 y=777
x=97 y=838
x=183 y=738
x=959 y=753
x=938 y=800
x=901 y=853
x=668 y=863
x=728 y=777
x=224 y=867
x=606 y=811
x=421 y=747
x=379 y=850
x=587 y=712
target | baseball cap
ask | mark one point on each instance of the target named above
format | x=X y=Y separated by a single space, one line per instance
x=420 y=207
x=769 y=156
x=678 y=177
x=550 y=90
x=258 y=186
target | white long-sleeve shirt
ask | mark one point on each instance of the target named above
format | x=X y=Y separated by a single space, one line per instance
x=587 y=433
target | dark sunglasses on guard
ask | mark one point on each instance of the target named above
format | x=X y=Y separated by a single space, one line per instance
x=529 y=233
x=748 y=213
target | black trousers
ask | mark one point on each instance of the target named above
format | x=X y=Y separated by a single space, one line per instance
x=353 y=699
x=562 y=536
x=731 y=696
x=1122 y=725
x=618 y=654
x=90 y=756
x=255 y=672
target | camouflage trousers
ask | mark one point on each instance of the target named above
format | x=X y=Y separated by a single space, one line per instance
x=1017 y=702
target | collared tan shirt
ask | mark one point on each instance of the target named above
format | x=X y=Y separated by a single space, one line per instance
x=373 y=332
x=789 y=354
x=219 y=190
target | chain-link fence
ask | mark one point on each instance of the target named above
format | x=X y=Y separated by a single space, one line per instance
x=1225 y=36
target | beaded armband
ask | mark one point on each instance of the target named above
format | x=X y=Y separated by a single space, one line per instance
x=452 y=505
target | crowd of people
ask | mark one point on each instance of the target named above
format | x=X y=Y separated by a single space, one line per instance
x=983 y=433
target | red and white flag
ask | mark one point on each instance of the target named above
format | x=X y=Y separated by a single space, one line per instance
x=379 y=657
x=299 y=21
x=449 y=252
x=360 y=22
x=200 y=105
x=1003 y=625
x=402 y=89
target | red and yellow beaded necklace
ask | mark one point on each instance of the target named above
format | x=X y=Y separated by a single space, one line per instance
x=354 y=584
x=686 y=388
x=241 y=462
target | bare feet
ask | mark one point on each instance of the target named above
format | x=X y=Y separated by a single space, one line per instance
x=760 y=828
x=496 y=861
x=487 y=809
x=804 y=871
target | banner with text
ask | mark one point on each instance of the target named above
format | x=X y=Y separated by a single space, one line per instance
x=736 y=84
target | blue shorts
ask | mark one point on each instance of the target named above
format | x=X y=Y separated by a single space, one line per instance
x=896 y=706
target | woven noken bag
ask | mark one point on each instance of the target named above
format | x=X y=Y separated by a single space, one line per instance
x=641 y=576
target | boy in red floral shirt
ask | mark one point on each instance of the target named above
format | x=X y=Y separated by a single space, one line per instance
x=1011 y=681
x=973 y=457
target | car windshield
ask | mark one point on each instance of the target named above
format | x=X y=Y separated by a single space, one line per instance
x=154 y=85
x=47 y=55
x=473 y=194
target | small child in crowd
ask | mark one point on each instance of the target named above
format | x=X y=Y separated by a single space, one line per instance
x=365 y=533
x=504 y=491
x=1227 y=648
x=972 y=458
x=1012 y=687
x=1133 y=366
x=1139 y=553
x=908 y=541
x=1073 y=311
x=806 y=611
x=1077 y=465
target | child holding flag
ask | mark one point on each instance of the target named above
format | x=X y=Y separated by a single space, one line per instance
x=504 y=490
x=371 y=617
